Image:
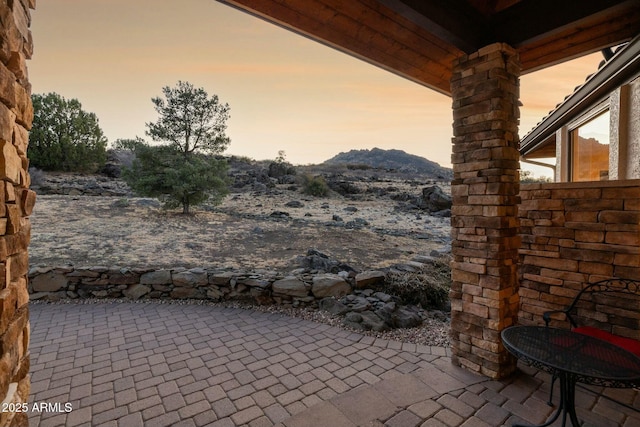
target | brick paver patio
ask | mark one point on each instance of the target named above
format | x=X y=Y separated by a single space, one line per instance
x=148 y=364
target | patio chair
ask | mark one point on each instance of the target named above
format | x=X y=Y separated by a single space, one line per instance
x=597 y=310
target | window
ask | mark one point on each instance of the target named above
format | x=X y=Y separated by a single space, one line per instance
x=589 y=150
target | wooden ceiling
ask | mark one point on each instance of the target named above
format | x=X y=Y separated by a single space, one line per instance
x=418 y=39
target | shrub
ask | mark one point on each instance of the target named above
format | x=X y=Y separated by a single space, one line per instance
x=176 y=179
x=278 y=170
x=64 y=137
x=315 y=186
x=280 y=167
x=428 y=287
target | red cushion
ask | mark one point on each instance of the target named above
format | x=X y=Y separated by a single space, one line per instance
x=628 y=344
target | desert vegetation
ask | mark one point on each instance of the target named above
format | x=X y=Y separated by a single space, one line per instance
x=64 y=137
x=185 y=170
x=255 y=219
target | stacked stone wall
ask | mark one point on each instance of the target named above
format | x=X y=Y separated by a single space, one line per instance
x=55 y=283
x=16 y=204
x=484 y=298
x=574 y=234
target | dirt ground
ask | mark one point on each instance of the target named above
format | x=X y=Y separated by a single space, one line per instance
x=239 y=234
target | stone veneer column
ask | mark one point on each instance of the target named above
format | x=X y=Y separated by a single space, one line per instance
x=16 y=203
x=485 y=187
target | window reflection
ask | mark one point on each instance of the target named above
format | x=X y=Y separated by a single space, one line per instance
x=590 y=150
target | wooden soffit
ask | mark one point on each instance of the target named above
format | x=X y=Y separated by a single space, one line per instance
x=418 y=39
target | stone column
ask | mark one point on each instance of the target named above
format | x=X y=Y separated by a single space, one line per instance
x=16 y=203
x=485 y=187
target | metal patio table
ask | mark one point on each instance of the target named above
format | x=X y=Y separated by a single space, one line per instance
x=573 y=358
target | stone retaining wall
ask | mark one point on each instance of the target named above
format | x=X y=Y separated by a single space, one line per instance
x=299 y=287
x=16 y=203
x=573 y=234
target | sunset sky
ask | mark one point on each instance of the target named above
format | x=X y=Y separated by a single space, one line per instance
x=285 y=91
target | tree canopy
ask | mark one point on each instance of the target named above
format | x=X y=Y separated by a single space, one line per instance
x=165 y=173
x=190 y=120
x=183 y=170
x=64 y=137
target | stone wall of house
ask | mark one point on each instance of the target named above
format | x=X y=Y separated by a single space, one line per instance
x=16 y=203
x=574 y=234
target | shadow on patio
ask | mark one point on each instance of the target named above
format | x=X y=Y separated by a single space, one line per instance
x=134 y=364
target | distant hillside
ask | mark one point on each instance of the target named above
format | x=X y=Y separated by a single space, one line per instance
x=397 y=160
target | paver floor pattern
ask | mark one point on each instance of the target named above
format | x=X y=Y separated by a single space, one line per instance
x=149 y=364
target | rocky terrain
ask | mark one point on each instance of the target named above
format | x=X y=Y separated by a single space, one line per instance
x=392 y=160
x=370 y=219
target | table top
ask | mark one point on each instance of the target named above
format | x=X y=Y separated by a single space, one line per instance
x=589 y=360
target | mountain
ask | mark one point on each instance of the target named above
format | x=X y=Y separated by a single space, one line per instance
x=396 y=160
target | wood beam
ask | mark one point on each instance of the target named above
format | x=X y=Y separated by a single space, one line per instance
x=366 y=30
x=419 y=39
x=455 y=21
x=577 y=41
x=531 y=20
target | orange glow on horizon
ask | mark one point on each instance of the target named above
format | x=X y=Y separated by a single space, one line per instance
x=285 y=91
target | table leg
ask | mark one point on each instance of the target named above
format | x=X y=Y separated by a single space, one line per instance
x=567 y=404
x=570 y=402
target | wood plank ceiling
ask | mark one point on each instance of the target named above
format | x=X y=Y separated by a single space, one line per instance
x=418 y=39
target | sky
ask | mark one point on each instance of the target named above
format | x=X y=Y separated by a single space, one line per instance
x=285 y=92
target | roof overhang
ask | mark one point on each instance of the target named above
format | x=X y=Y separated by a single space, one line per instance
x=623 y=67
x=419 y=39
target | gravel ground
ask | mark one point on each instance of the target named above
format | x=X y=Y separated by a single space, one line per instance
x=433 y=332
x=240 y=233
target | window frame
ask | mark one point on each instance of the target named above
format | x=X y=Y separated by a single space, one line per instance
x=594 y=112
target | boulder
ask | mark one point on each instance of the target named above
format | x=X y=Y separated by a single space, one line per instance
x=371 y=321
x=261 y=296
x=294 y=204
x=316 y=260
x=49 y=282
x=330 y=285
x=434 y=199
x=136 y=291
x=407 y=317
x=190 y=278
x=255 y=283
x=290 y=286
x=223 y=278
x=333 y=306
x=124 y=277
x=383 y=297
x=397 y=316
x=279 y=214
x=369 y=278
x=342 y=186
x=360 y=304
x=354 y=321
x=159 y=277
x=365 y=321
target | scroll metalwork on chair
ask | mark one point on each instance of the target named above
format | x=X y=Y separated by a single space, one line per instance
x=608 y=310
